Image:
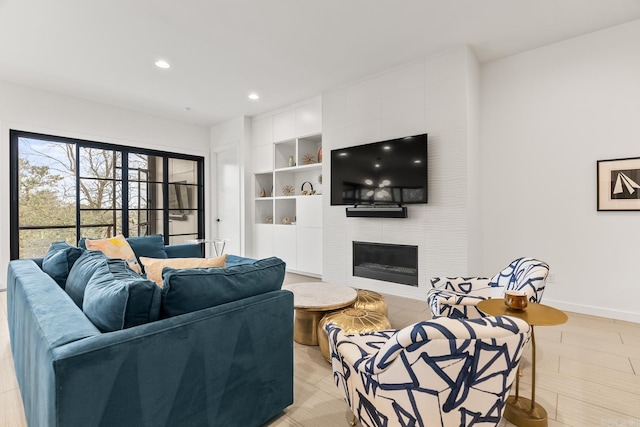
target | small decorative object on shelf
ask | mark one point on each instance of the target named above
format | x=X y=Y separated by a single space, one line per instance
x=268 y=220
x=292 y=162
x=271 y=191
x=320 y=154
x=288 y=190
x=320 y=179
x=308 y=159
x=309 y=192
x=286 y=220
x=262 y=192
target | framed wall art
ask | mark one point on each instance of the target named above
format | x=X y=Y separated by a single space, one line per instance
x=619 y=184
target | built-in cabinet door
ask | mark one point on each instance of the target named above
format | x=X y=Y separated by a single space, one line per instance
x=263 y=241
x=309 y=119
x=284 y=244
x=284 y=126
x=309 y=211
x=309 y=242
x=262 y=158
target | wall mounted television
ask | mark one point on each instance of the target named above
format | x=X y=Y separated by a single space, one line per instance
x=392 y=172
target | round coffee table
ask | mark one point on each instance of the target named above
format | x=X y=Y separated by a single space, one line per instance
x=311 y=301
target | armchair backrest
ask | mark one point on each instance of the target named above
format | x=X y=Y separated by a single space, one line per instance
x=527 y=275
x=439 y=372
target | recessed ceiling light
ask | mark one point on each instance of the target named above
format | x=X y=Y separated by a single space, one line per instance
x=417 y=161
x=161 y=63
x=254 y=96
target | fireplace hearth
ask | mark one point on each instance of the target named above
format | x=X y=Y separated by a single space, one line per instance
x=389 y=263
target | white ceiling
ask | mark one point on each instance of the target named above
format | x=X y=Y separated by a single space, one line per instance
x=286 y=50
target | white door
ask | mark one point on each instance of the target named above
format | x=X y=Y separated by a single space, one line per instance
x=227 y=217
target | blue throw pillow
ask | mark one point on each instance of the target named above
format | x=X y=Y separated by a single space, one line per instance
x=189 y=290
x=81 y=272
x=59 y=260
x=118 y=298
x=148 y=246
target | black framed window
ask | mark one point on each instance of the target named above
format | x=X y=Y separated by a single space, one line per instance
x=65 y=189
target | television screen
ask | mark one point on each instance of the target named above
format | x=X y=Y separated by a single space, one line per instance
x=380 y=173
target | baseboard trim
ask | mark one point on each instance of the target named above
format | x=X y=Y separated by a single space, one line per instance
x=627 y=316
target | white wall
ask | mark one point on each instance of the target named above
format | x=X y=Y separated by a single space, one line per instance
x=547 y=116
x=433 y=95
x=38 y=111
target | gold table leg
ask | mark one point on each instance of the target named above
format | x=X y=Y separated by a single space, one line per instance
x=305 y=326
x=525 y=412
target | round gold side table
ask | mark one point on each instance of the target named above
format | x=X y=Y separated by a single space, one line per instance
x=371 y=301
x=351 y=321
x=519 y=410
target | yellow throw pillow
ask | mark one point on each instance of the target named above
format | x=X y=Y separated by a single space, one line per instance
x=115 y=247
x=153 y=266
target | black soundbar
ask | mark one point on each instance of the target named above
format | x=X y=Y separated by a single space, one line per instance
x=373 y=211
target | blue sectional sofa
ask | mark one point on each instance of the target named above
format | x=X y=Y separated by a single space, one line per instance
x=229 y=364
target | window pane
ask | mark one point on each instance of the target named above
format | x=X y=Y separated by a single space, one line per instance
x=103 y=223
x=143 y=195
x=35 y=243
x=46 y=183
x=183 y=171
x=100 y=163
x=146 y=168
x=100 y=194
x=145 y=222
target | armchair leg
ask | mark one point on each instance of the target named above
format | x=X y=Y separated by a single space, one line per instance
x=353 y=421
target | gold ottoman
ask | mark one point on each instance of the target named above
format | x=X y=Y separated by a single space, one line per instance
x=371 y=301
x=351 y=321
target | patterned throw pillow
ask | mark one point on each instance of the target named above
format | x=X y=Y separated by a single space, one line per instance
x=153 y=266
x=115 y=247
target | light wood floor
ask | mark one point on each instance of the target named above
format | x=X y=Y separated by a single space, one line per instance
x=588 y=373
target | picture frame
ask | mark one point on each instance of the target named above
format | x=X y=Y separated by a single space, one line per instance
x=618 y=184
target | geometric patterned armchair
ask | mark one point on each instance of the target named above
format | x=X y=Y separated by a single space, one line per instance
x=440 y=372
x=457 y=297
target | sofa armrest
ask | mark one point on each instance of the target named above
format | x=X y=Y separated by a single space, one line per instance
x=199 y=368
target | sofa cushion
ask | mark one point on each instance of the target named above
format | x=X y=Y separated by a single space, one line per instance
x=59 y=260
x=189 y=290
x=115 y=247
x=153 y=266
x=117 y=298
x=184 y=250
x=81 y=272
x=147 y=246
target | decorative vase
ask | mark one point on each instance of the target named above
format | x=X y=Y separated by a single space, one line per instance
x=292 y=163
x=320 y=154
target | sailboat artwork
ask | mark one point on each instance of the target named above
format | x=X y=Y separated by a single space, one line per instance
x=618 y=184
x=625 y=187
